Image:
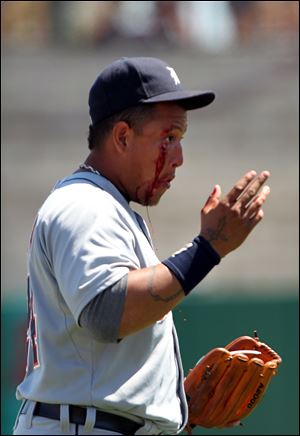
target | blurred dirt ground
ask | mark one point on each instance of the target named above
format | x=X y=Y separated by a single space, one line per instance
x=253 y=123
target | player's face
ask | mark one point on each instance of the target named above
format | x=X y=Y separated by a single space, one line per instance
x=157 y=152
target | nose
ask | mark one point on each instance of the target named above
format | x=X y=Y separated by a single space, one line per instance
x=177 y=156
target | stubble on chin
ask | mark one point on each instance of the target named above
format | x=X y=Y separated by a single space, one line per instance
x=145 y=195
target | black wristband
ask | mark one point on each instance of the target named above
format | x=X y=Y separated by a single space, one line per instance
x=192 y=263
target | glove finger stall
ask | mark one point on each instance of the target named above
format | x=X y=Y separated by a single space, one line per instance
x=217 y=406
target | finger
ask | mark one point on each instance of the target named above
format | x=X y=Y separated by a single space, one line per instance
x=253 y=189
x=256 y=219
x=213 y=199
x=239 y=187
x=257 y=203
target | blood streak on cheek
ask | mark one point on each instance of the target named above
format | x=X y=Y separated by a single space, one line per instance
x=159 y=164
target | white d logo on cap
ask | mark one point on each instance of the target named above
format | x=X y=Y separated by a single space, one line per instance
x=173 y=75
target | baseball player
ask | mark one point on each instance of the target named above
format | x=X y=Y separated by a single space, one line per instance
x=103 y=355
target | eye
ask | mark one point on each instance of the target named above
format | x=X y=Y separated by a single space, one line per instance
x=173 y=138
x=170 y=138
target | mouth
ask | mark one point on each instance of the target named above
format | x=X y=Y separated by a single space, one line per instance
x=166 y=182
x=157 y=189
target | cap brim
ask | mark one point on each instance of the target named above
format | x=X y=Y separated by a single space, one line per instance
x=188 y=99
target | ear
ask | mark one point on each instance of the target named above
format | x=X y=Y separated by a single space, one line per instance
x=121 y=134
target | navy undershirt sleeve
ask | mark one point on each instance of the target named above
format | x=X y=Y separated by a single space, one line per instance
x=191 y=264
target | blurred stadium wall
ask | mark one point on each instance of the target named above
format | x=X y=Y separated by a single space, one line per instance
x=247 y=52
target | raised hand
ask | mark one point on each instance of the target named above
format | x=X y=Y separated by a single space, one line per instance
x=226 y=222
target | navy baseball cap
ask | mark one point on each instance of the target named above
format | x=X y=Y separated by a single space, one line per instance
x=130 y=81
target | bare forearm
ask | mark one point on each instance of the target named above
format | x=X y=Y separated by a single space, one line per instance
x=151 y=294
x=226 y=223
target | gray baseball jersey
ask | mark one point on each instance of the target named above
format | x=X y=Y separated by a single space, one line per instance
x=85 y=239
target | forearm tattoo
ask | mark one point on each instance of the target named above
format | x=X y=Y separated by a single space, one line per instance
x=216 y=234
x=156 y=296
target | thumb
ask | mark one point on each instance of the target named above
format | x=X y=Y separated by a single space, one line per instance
x=213 y=199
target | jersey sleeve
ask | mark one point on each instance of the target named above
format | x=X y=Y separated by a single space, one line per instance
x=89 y=249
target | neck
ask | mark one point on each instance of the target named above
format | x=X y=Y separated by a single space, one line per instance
x=104 y=168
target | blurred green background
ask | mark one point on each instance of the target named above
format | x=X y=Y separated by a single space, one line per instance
x=205 y=323
x=247 y=52
x=202 y=323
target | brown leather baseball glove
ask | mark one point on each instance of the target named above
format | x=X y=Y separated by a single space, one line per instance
x=227 y=383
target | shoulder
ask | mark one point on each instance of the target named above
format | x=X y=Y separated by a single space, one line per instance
x=80 y=205
x=81 y=195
